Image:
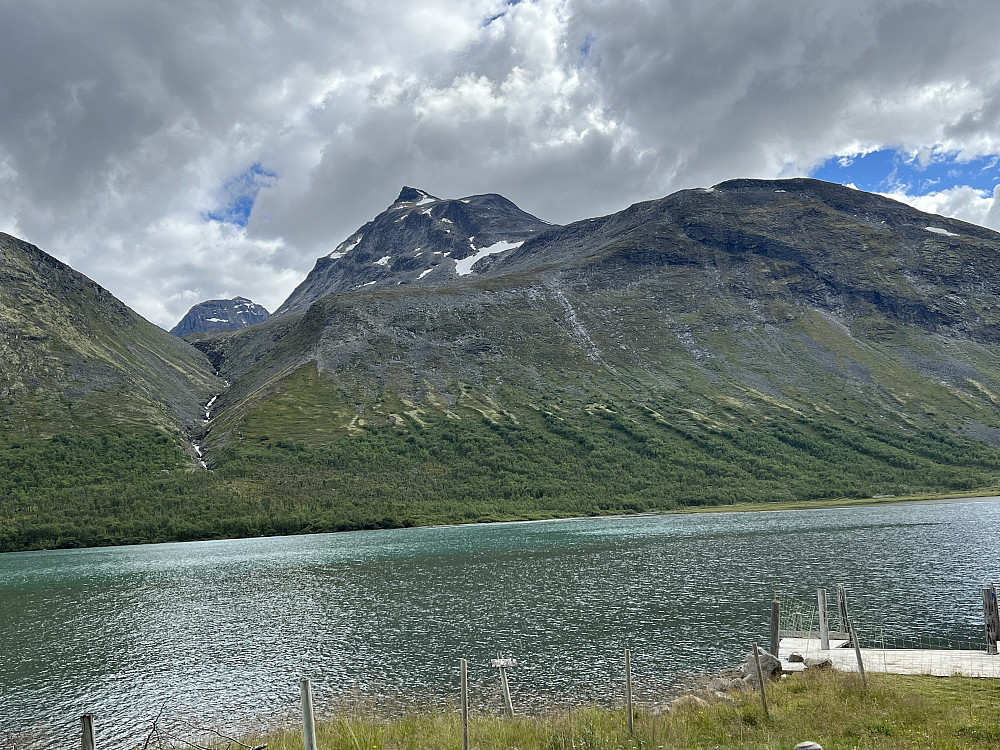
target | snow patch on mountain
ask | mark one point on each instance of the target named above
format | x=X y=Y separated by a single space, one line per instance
x=939 y=230
x=345 y=247
x=383 y=261
x=464 y=266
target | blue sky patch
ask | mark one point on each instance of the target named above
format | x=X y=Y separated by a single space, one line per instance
x=888 y=170
x=241 y=193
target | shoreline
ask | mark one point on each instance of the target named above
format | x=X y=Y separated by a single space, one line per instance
x=982 y=494
x=833 y=709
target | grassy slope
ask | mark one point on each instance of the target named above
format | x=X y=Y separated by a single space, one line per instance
x=904 y=713
x=545 y=433
x=407 y=463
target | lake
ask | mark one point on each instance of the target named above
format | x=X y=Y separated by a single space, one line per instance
x=219 y=633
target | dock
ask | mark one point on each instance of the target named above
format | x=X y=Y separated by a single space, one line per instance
x=939 y=663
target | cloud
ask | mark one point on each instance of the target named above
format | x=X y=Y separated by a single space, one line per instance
x=137 y=137
x=961 y=202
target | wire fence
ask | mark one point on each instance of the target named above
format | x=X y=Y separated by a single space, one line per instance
x=883 y=647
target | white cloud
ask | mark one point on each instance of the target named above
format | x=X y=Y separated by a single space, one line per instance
x=122 y=122
x=962 y=202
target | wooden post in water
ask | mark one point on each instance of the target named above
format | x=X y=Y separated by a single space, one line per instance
x=824 y=622
x=842 y=608
x=853 y=633
x=87 y=727
x=760 y=680
x=628 y=689
x=464 y=666
x=775 y=617
x=991 y=618
x=308 y=718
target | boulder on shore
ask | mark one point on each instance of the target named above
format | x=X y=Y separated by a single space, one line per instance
x=770 y=666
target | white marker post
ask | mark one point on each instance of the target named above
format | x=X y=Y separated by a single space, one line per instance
x=503 y=664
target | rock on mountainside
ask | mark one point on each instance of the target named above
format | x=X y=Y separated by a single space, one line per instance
x=73 y=357
x=418 y=240
x=220 y=315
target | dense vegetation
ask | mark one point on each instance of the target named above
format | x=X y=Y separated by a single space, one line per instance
x=130 y=487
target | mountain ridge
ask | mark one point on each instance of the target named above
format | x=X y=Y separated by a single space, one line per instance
x=755 y=341
x=69 y=347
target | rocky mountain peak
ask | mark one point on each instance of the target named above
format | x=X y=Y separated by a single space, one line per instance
x=220 y=315
x=413 y=195
x=418 y=240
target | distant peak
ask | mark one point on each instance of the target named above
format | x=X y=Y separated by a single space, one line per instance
x=411 y=195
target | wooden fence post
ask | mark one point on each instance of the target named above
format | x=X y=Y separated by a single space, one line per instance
x=464 y=666
x=508 y=704
x=760 y=680
x=775 y=618
x=991 y=618
x=628 y=689
x=853 y=633
x=308 y=718
x=89 y=742
x=824 y=623
x=842 y=608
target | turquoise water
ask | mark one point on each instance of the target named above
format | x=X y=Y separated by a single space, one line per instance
x=220 y=632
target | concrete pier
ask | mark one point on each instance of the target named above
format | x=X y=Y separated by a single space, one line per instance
x=891 y=661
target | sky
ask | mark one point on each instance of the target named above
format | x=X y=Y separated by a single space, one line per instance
x=182 y=150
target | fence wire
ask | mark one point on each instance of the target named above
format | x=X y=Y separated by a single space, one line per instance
x=884 y=648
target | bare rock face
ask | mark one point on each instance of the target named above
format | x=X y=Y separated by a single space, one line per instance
x=220 y=315
x=420 y=240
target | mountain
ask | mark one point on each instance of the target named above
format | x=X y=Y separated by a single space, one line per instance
x=758 y=341
x=220 y=315
x=795 y=288
x=73 y=357
x=418 y=240
x=97 y=408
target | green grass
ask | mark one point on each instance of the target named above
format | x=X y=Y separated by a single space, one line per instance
x=830 y=708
